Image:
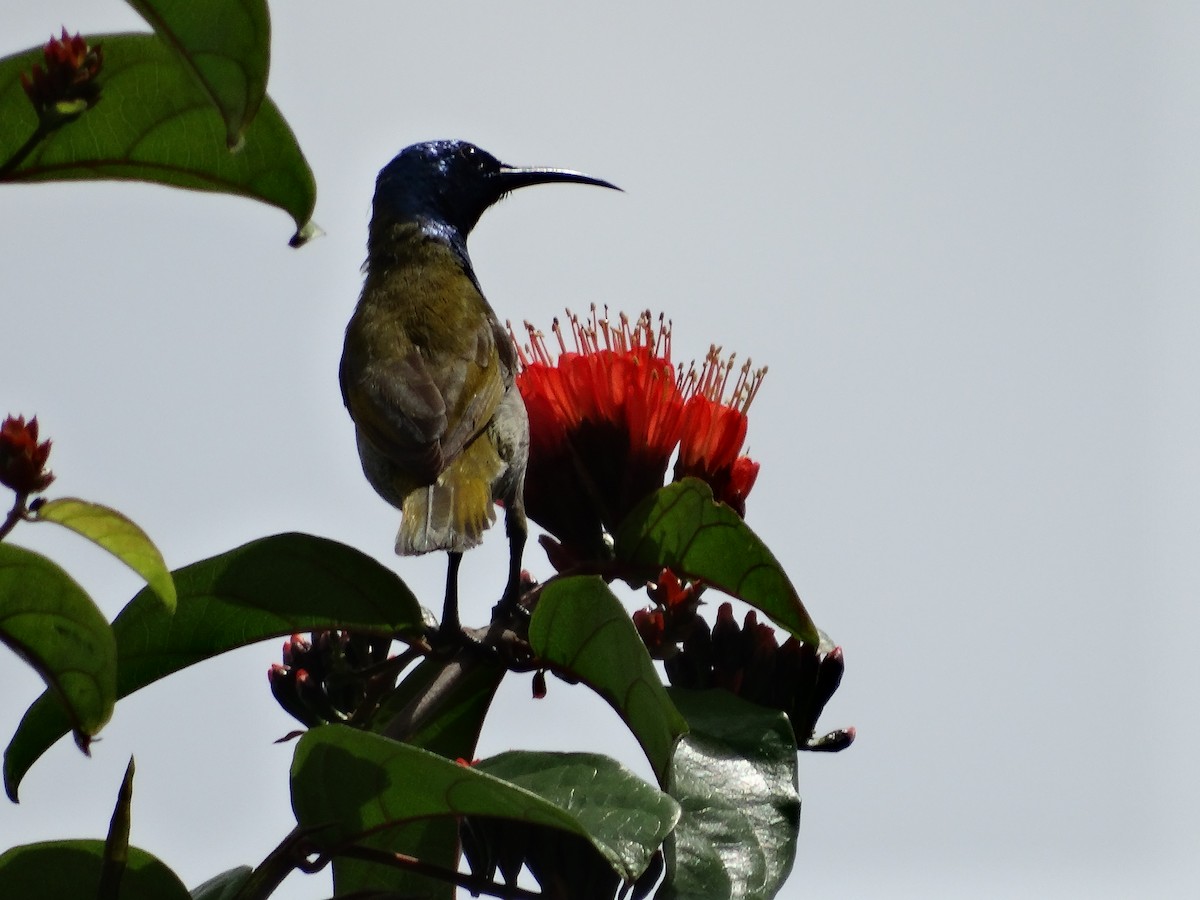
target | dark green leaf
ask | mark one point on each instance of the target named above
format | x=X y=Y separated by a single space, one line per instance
x=347 y=783
x=70 y=870
x=267 y=588
x=155 y=123
x=451 y=729
x=618 y=809
x=735 y=776
x=118 y=535
x=48 y=619
x=579 y=628
x=466 y=684
x=116 y=846
x=224 y=886
x=682 y=528
x=226 y=43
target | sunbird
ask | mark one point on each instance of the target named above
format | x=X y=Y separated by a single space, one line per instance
x=428 y=371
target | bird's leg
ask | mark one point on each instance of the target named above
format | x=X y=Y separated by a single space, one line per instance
x=450 y=626
x=517 y=529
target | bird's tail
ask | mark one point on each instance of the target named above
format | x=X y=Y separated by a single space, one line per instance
x=453 y=512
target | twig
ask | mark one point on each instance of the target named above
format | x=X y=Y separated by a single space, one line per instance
x=24 y=150
x=15 y=515
x=277 y=866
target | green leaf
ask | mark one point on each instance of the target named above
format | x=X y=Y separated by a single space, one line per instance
x=154 y=123
x=116 y=846
x=224 y=886
x=116 y=534
x=70 y=870
x=580 y=629
x=267 y=588
x=226 y=44
x=449 y=727
x=735 y=776
x=348 y=783
x=683 y=529
x=48 y=619
x=618 y=809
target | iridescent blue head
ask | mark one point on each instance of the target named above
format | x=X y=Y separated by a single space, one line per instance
x=451 y=183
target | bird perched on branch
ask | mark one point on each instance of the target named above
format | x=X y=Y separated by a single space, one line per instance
x=427 y=369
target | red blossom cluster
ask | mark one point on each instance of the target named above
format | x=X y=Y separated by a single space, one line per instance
x=609 y=409
x=22 y=458
x=67 y=83
x=665 y=624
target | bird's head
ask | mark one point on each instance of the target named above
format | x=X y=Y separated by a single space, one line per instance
x=453 y=182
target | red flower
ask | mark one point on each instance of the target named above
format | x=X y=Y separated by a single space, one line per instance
x=603 y=422
x=67 y=85
x=22 y=458
x=605 y=417
x=714 y=428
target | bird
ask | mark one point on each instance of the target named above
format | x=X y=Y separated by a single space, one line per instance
x=428 y=372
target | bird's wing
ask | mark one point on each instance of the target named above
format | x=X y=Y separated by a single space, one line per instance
x=471 y=390
x=397 y=407
x=421 y=409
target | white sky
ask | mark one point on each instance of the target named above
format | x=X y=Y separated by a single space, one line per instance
x=962 y=236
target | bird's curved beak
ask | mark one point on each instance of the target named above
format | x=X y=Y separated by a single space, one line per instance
x=509 y=178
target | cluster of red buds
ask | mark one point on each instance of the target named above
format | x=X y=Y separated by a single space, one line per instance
x=665 y=625
x=330 y=677
x=66 y=82
x=22 y=458
x=749 y=661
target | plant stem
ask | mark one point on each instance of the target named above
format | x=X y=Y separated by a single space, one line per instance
x=15 y=515
x=24 y=150
x=422 y=707
x=271 y=871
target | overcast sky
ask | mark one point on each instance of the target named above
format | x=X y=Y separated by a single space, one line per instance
x=962 y=236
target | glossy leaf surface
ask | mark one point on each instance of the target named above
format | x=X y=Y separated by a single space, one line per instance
x=115 y=533
x=579 y=628
x=267 y=588
x=617 y=808
x=347 y=783
x=227 y=45
x=70 y=870
x=451 y=729
x=48 y=619
x=735 y=776
x=155 y=123
x=682 y=528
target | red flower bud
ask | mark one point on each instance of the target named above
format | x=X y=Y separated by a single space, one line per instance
x=651 y=628
x=67 y=85
x=22 y=458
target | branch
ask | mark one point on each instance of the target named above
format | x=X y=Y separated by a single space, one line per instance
x=15 y=515
x=22 y=152
x=278 y=865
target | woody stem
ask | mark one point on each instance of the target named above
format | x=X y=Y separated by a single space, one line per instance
x=15 y=515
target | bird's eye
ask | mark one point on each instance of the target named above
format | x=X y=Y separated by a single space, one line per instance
x=468 y=151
